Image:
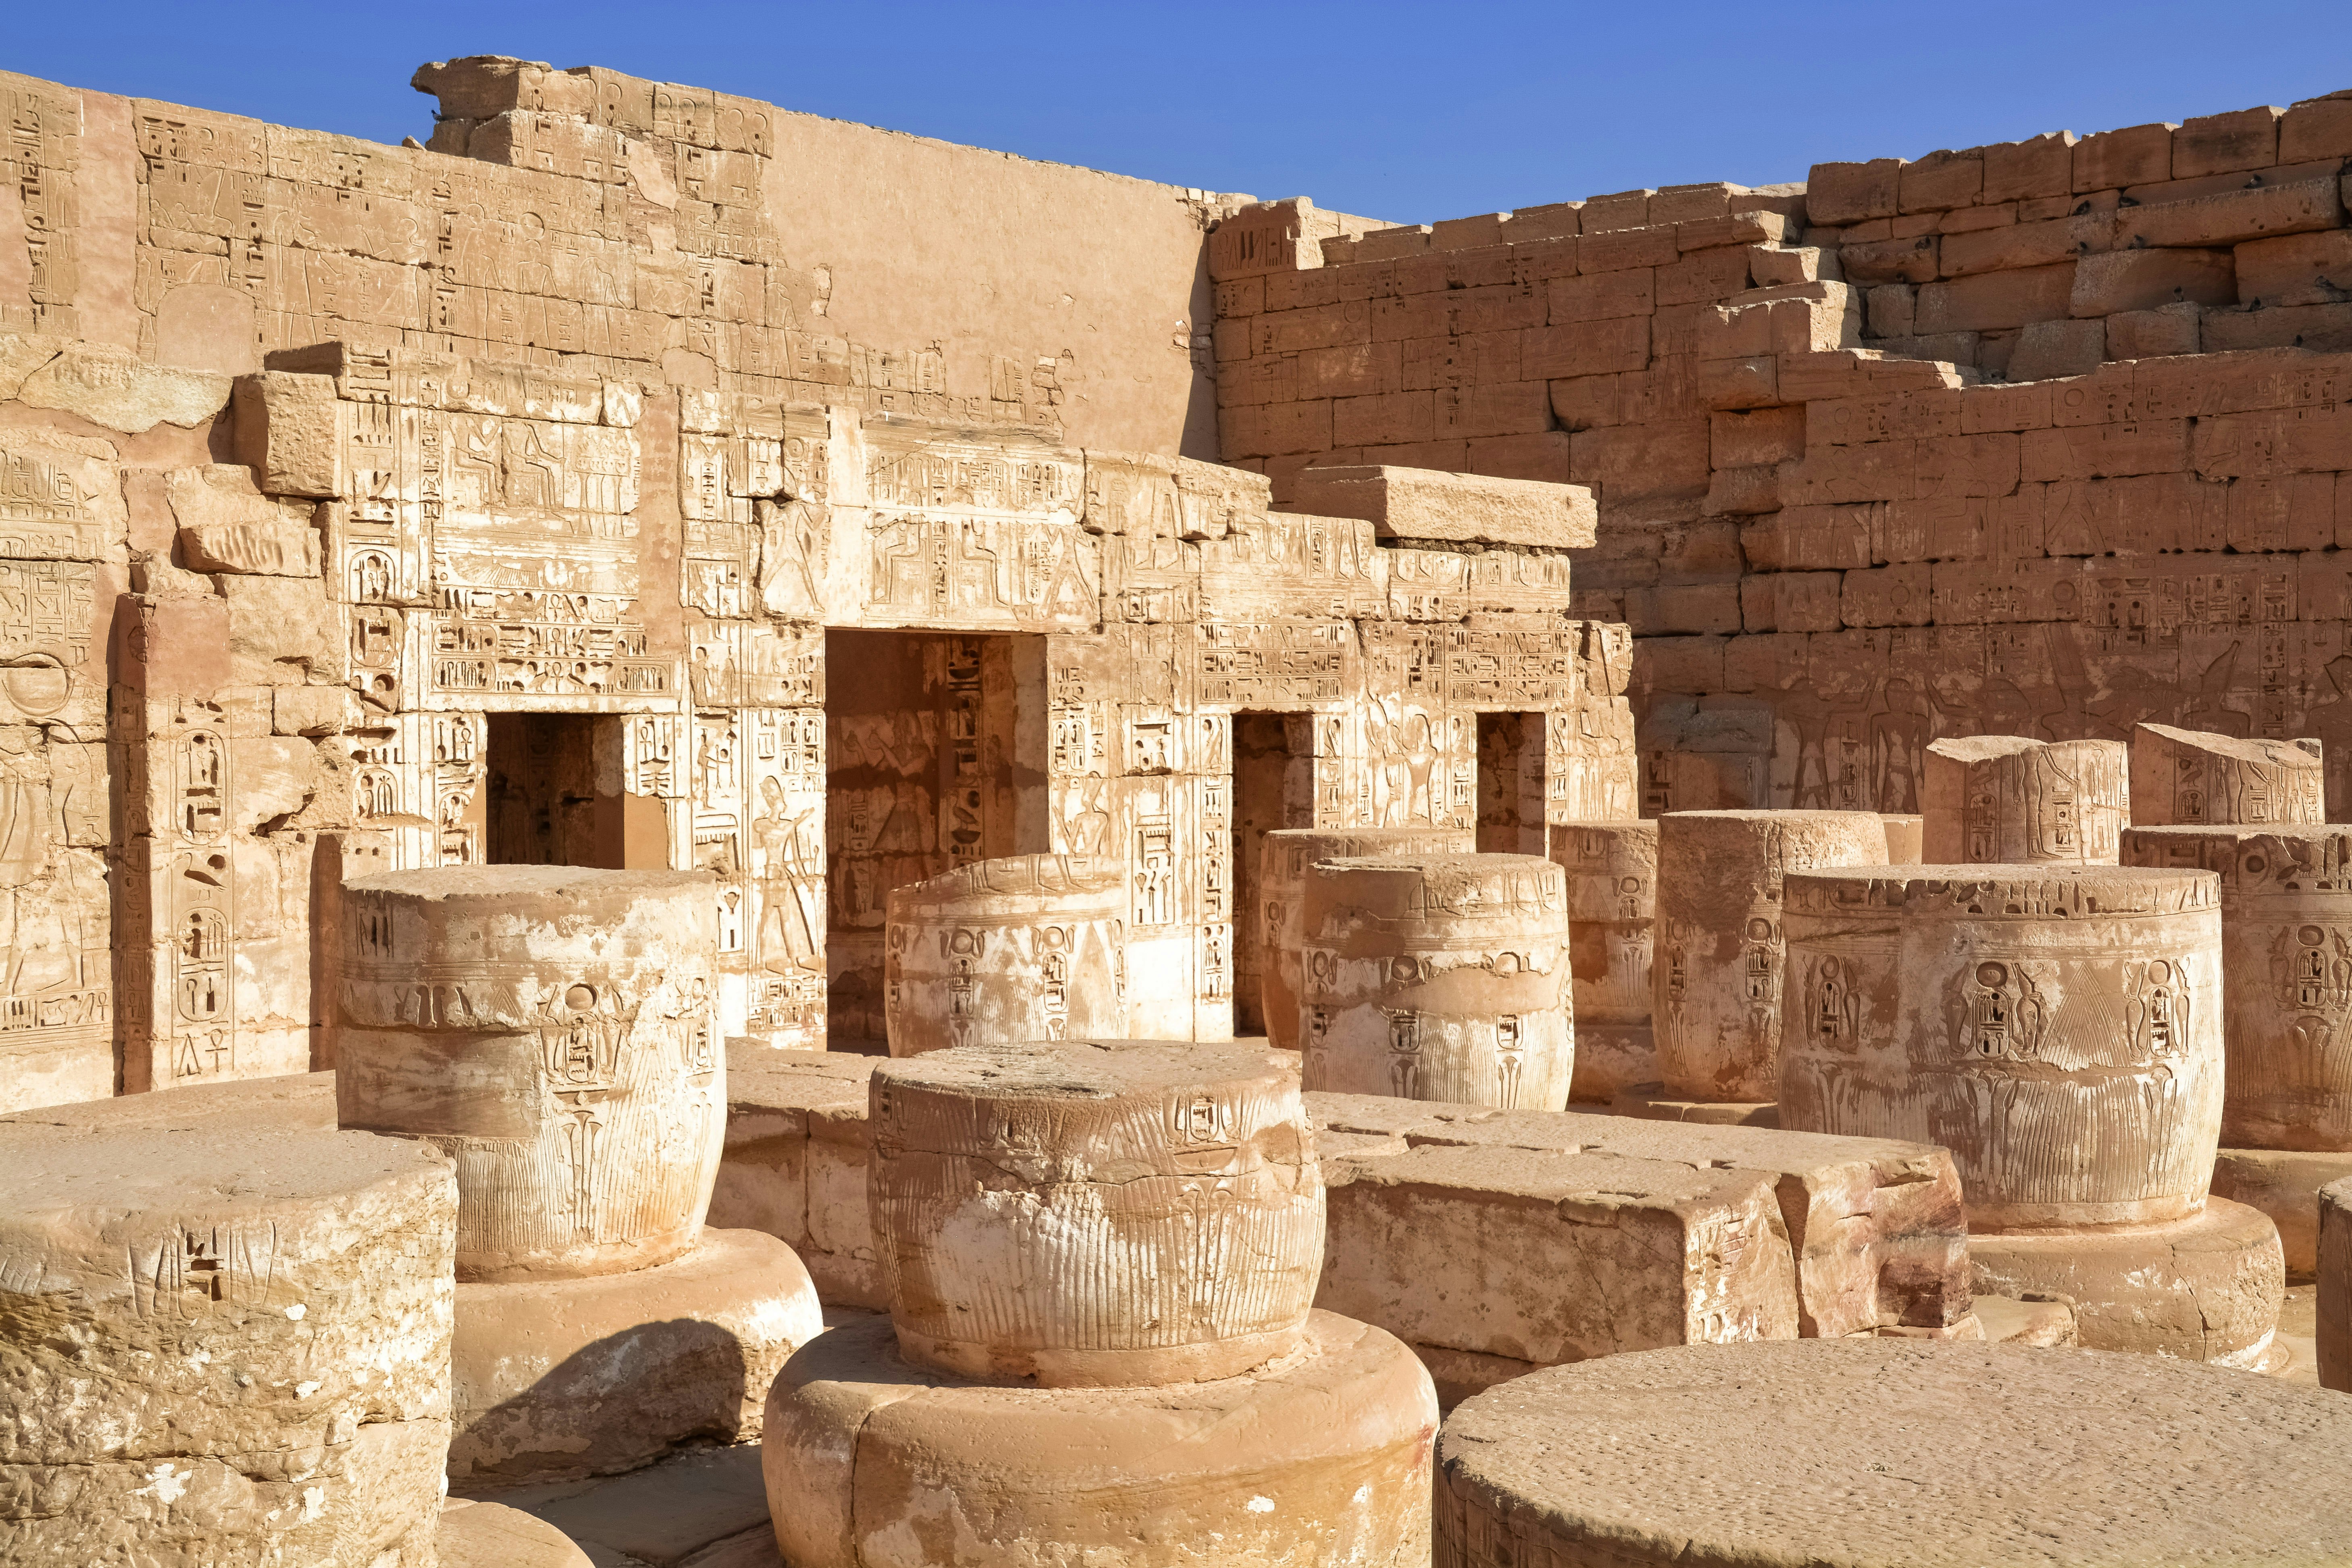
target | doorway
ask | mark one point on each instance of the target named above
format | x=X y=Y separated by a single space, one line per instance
x=1511 y=783
x=1274 y=786
x=935 y=757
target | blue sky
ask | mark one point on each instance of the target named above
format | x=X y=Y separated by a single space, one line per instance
x=1399 y=111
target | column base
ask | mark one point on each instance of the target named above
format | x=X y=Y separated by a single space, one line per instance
x=1321 y=1455
x=2206 y=1288
x=1611 y=1058
x=1651 y=1102
x=583 y=1377
x=492 y=1535
x=2285 y=1184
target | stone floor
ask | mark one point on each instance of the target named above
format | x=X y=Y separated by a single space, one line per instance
x=706 y=1507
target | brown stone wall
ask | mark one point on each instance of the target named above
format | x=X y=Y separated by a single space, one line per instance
x=2042 y=438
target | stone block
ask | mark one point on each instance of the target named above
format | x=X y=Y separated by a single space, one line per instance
x=1421 y=504
x=473 y=1534
x=1840 y=194
x=2285 y=1185
x=289 y=432
x=2132 y=157
x=1537 y=1256
x=117 y=390
x=2295 y=269
x=2185 y=777
x=2232 y=217
x=1285 y=854
x=2048 y=242
x=1914 y=260
x=2335 y=1329
x=2316 y=128
x=2010 y=800
x=2153 y=334
x=2037 y=167
x=2047 y=350
x=1996 y=299
x=1028 y=947
x=2144 y=279
x=1940 y=181
x=2223 y=144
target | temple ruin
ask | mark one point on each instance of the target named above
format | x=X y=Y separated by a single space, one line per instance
x=731 y=840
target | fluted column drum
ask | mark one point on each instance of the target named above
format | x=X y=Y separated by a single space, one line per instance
x=1715 y=978
x=2286 y=975
x=1101 y=1213
x=1029 y=947
x=1441 y=977
x=1284 y=855
x=551 y=1029
x=2057 y=1028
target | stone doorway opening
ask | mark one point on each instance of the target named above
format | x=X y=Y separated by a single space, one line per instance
x=1511 y=783
x=935 y=757
x=553 y=795
x=1274 y=786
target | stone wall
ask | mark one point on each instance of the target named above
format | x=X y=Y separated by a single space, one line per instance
x=2043 y=437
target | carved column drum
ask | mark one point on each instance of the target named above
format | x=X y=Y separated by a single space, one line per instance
x=2011 y=800
x=550 y=1027
x=1030 y=947
x=2057 y=1028
x=1103 y=1212
x=1715 y=979
x=2188 y=777
x=2286 y=975
x=1439 y=977
x=1612 y=900
x=1284 y=855
x=223 y=1345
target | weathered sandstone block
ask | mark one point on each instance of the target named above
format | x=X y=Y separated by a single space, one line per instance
x=1906 y=837
x=223 y=1346
x=475 y=1534
x=2334 y=1335
x=2285 y=1184
x=2206 y=1287
x=1773 y=1455
x=1427 y=504
x=1027 y=948
x=1613 y=898
x=2009 y=799
x=551 y=1029
x=571 y=1377
x=2286 y=975
x=2057 y=1028
x=1438 y=977
x=1875 y=1225
x=1319 y=1456
x=1101 y=1212
x=1284 y=853
x=2184 y=777
x=798 y=1147
x=1716 y=980
x=1532 y=1256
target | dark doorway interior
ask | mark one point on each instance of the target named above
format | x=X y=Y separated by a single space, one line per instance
x=1274 y=786
x=1511 y=783
x=541 y=790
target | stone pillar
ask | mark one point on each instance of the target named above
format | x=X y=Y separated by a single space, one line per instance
x=2334 y=1335
x=1284 y=856
x=551 y=1029
x=1715 y=979
x=1442 y=977
x=1906 y=837
x=1100 y=1257
x=2183 y=777
x=1030 y=947
x=2011 y=800
x=224 y=1346
x=2059 y=1029
x=1613 y=898
x=1105 y=1156
x=2286 y=1011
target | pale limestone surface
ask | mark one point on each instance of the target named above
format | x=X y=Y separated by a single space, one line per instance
x=225 y=1345
x=1028 y=948
x=571 y=1377
x=1523 y=1257
x=1433 y=976
x=2007 y=798
x=2286 y=975
x=1906 y=837
x=799 y=1147
x=1101 y=1212
x=1285 y=855
x=474 y=1534
x=2184 y=777
x=1842 y=1455
x=551 y=1027
x=2285 y=1184
x=1612 y=900
x=1715 y=975
x=1421 y=504
x=1873 y=1225
x=1321 y=1455
x=2020 y=1015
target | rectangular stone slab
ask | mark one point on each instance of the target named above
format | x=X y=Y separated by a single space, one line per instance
x=1491 y=1259
x=795 y=1165
x=1873 y=1225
